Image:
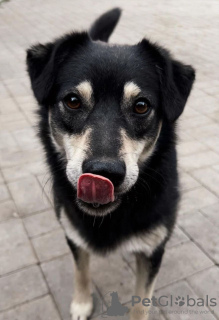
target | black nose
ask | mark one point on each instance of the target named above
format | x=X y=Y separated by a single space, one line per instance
x=113 y=170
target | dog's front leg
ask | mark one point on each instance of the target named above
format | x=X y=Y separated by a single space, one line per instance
x=146 y=272
x=82 y=304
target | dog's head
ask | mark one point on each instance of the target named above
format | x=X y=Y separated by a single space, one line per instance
x=106 y=105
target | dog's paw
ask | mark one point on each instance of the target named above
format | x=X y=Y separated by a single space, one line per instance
x=138 y=313
x=81 y=311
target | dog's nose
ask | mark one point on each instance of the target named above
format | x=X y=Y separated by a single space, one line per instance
x=113 y=170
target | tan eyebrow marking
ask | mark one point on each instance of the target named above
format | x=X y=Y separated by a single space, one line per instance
x=131 y=90
x=85 y=90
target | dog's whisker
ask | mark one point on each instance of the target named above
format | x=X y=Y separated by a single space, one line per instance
x=144 y=184
x=101 y=221
x=152 y=176
x=94 y=221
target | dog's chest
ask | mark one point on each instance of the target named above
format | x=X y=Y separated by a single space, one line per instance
x=145 y=242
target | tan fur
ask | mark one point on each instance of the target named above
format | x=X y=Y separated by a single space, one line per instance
x=82 y=303
x=56 y=136
x=76 y=148
x=82 y=282
x=145 y=242
x=85 y=90
x=131 y=90
x=130 y=152
x=149 y=147
x=140 y=312
x=71 y=232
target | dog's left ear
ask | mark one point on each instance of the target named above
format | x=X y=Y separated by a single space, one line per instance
x=176 y=80
x=176 y=84
x=43 y=62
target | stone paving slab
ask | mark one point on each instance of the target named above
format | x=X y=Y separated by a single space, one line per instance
x=59 y=276
x=187 y=182
x=1 y=178
x=7 y=141
x=207 y=283
x=46 y=184
x=4 y=194
x=41 y=223
x=178 y=237
x=196 y=199
x=14 y=158
x=26 y=202
x=185 y=311
x=198 y=160
x=187 y=259
x=13 y=125
x=7 y=210
x=15 y=248
x=20 y=287
x=26 y=139
x=123 y=276
x=209 y=178
x=216 y=167
x=50 y=245
x=212 y=213
x=8 y=106
x=190 y=147
x=205 y=233
x=24 y=170
x=213 y=143
x=40 y=309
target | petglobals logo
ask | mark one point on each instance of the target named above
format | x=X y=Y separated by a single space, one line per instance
x=170 y=301
x=167 y=304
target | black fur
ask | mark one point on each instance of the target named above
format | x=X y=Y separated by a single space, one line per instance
x=155 y=262
x=56 y=67
x=73 y=248
x=104 y=26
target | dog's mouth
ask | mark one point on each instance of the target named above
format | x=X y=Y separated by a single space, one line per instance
x=95 y=189
x=96 y=194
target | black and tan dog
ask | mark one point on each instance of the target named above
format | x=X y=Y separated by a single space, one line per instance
x=107 y=123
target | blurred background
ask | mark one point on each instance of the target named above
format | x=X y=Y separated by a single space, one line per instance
x=36 y=273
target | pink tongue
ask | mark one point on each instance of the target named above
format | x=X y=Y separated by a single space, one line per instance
x=93 y=188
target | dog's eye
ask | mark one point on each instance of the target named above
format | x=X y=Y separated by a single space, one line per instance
x=141 y=107
x=72 y=101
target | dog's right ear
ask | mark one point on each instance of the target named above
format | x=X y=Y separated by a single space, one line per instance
x=39 y=66
x=43 y=62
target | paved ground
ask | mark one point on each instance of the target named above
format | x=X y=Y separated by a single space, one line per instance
x=35 y=274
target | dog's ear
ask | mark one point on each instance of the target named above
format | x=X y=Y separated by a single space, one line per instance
x=176 y=80
x=39 y=66
x=43 y=62
x=103 y=27
x=176 y=84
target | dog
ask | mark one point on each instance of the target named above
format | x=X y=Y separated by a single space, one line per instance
x=108 y=118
